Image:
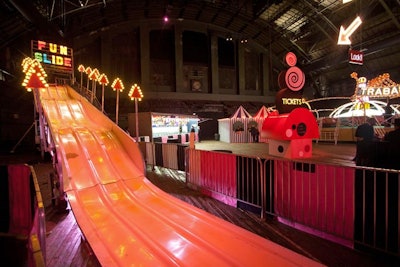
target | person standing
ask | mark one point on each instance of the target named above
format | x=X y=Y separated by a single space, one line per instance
x=364 y=135
x=254 y=134
x=365 y=131
x=191 y=138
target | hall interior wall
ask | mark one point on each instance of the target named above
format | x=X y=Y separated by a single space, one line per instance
x=125 y=49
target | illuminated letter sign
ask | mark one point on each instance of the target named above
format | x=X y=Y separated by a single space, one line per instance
x=356 y=57
x=381 y=92
x=54 y=57
x=379 y=87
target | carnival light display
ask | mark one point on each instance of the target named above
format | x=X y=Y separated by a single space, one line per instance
x=35 y=79
x=88 y=70
x=367 y=100
x=103 y=80
x=81 y=69
x=360 y=108
x=136 y=94
x=26 y=62
x=93 y=76
x=34 y=75
x=118 y=86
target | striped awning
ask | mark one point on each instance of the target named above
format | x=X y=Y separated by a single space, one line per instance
x=262 y=113
x=241 y=112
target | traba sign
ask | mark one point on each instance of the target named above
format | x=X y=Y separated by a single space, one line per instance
x=52 y=55
x=378 y=87
x=380 y=92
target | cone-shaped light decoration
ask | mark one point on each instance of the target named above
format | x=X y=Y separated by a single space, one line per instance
x=35 y=76
x=26 y=62
x=103 y=80
x=117 y=85
x=94 y=75
x=136 y=95
x=96 y=71
x=81 y=68
x=135 y=92
x=88 y=70
x=38 y=67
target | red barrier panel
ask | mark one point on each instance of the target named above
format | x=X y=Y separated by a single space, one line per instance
x=317 y=196
x=218 y=173
x=20 y=199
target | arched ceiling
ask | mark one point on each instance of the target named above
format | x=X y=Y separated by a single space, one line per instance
x=309 y=28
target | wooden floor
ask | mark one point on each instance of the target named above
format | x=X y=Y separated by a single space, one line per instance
x=64 y=241
x=65 y=246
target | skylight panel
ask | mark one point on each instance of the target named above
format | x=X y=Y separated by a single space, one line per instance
x=270 y=12
x=329 y=3
x=292 y=20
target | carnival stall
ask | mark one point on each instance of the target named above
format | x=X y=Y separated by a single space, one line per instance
x=164 y=127
x=259 y=118
x=235 y=129
x=291 y=134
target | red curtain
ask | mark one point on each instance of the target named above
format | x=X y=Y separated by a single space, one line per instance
x=20 y=199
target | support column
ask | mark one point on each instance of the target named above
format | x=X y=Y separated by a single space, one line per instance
x=214 y=64
x=179 y=83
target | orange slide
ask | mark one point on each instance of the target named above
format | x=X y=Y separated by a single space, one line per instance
x=125 y=218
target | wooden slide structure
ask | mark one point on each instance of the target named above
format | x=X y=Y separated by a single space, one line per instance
x=127 y=220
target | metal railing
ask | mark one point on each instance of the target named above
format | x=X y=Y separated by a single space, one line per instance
x=354 y=206
x=377 y=211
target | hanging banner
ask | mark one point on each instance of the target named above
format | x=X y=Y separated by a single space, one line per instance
x=356 y=57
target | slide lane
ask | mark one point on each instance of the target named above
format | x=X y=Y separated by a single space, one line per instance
x=124 y=217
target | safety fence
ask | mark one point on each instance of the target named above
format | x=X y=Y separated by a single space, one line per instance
x=22 y=216
x=377 y=210
x=168 y=155
x=355 y=206
x=37 y=235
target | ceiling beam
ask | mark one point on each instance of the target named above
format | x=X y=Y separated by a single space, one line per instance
x=261 y=5
x=340 y=58
x=391 y=15
x=30 y=13
x=322 y=16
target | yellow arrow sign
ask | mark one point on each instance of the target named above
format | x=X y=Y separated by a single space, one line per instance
x=344 y=34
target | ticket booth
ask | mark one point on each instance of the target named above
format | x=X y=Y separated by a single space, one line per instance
x=290 y=135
